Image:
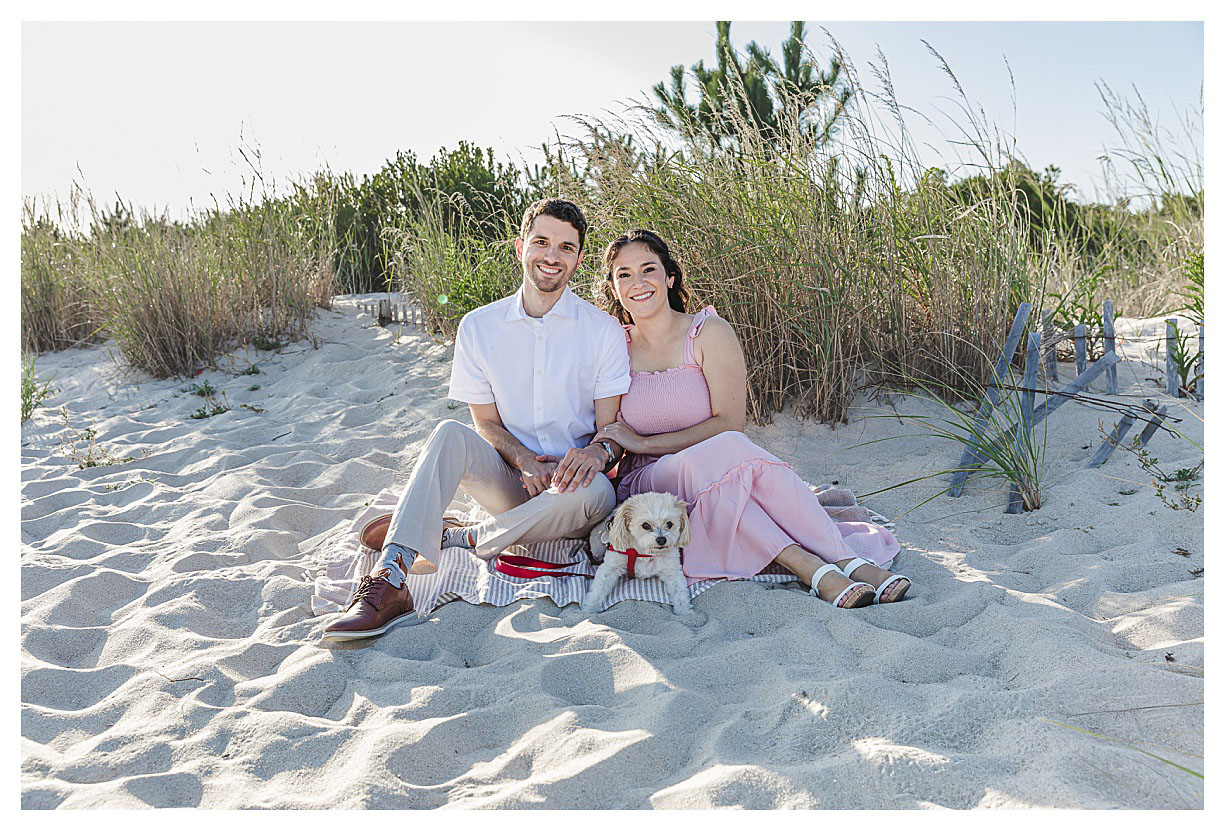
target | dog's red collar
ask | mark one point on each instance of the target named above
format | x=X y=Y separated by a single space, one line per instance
x=632 y=554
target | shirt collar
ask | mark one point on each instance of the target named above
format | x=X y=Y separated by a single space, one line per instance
x=566 y=306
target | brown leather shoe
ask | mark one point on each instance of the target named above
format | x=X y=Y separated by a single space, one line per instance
x=377 y=606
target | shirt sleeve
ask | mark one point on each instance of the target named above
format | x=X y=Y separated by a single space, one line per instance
x=613 y=375
x=469 y=382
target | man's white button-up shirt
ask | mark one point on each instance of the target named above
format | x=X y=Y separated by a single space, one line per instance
x=544 y=374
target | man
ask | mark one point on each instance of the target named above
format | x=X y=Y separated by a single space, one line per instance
x=541 y=371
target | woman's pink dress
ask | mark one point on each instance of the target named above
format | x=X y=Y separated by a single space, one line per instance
x=745 y=505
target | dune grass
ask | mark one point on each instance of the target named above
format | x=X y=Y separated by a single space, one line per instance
x=1001 y=449
x=841 y=264
x=173 y=295
x=34 y=390
x=446 y=273
x=838 y=266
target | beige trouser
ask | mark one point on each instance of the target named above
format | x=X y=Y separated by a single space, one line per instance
x=455 y=456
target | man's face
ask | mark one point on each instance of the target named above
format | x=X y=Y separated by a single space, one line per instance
x=550 y=254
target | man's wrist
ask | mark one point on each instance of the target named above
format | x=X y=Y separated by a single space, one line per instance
x=607 y=453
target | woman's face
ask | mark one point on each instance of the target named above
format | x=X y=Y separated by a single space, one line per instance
x=639 y=281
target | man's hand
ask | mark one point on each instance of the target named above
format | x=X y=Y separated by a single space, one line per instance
x=537 y=473
x=579 y=467
x=622 y=434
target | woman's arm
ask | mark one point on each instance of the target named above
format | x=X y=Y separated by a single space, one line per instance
x=718 y=352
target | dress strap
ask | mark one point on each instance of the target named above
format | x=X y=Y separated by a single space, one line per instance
x=695 y=329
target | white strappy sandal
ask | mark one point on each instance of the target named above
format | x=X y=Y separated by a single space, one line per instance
x=879 y=590
x=837 y=601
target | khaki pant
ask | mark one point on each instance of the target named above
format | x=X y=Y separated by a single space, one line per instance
x=455 y=456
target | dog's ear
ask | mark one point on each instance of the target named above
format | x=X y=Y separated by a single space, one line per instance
x=682 y=511
x=619 y=535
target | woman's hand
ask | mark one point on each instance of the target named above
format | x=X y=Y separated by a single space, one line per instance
x=624 y=435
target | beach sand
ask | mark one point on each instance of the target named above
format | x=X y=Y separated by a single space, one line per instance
x=170 y=657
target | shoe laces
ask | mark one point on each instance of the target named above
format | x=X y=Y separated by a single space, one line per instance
x=364 y=588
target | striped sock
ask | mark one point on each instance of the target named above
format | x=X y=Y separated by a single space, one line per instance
x=394 y=564
x=462 y=537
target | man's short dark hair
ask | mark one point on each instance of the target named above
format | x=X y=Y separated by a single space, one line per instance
x=561 y=209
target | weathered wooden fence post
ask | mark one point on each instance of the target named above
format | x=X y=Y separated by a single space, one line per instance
x=1112 y=441
x=1048 y=345
x=1025 y=428
x=1172 y=388
x=998 y=373
x=1082 y=356
x=1199 y=366
x=1112 y=373
x=1156 y=416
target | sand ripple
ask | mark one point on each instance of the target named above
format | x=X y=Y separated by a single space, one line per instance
x=169 y=657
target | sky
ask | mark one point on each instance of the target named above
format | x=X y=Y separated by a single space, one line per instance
x=157 y=112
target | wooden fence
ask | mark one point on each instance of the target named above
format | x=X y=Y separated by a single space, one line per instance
x=1041 y=352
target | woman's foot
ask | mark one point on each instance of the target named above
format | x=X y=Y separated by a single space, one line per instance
x=876 y=577
x=833 y=587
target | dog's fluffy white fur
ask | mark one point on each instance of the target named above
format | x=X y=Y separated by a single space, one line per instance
x=656 y=524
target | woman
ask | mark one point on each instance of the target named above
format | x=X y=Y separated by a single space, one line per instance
x=681 y=425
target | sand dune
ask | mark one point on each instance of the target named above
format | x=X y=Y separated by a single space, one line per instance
x=170 y=656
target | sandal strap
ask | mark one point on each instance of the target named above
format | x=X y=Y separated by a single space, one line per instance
x=818 y=574
x=854 y=564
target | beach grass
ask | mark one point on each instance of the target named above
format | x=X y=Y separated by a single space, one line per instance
x=993 y=436
x=842 y=263
x=34 y=390
x=445 y=265
x=173 y=295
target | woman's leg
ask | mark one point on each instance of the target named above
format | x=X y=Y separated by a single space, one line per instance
x=747 y=505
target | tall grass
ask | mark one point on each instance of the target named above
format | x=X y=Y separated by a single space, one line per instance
x=445 y=264
x=60 y=304
x=836 y=268
x=840 y=264
x=173 y=295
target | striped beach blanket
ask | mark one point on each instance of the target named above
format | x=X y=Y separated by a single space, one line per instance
x=461 y=575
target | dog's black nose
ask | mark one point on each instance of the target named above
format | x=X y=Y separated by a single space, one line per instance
x=661 y=541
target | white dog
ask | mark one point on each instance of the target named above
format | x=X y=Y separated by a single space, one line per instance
x=643 y=538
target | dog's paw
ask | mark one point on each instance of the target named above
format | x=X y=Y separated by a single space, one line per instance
x=589 y=608
x=694 y=618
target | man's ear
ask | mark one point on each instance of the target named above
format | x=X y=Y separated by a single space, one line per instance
x=581 y=254
x=519 y=247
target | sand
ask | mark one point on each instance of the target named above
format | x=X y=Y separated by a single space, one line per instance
x=170 y=656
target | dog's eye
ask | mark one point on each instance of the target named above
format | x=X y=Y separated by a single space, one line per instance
x=668 y=525
x=646 y=526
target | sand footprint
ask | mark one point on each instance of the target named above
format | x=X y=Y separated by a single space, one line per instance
x=73 y=689
x=91 y=600
x=166 y=790
x=65 y=646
